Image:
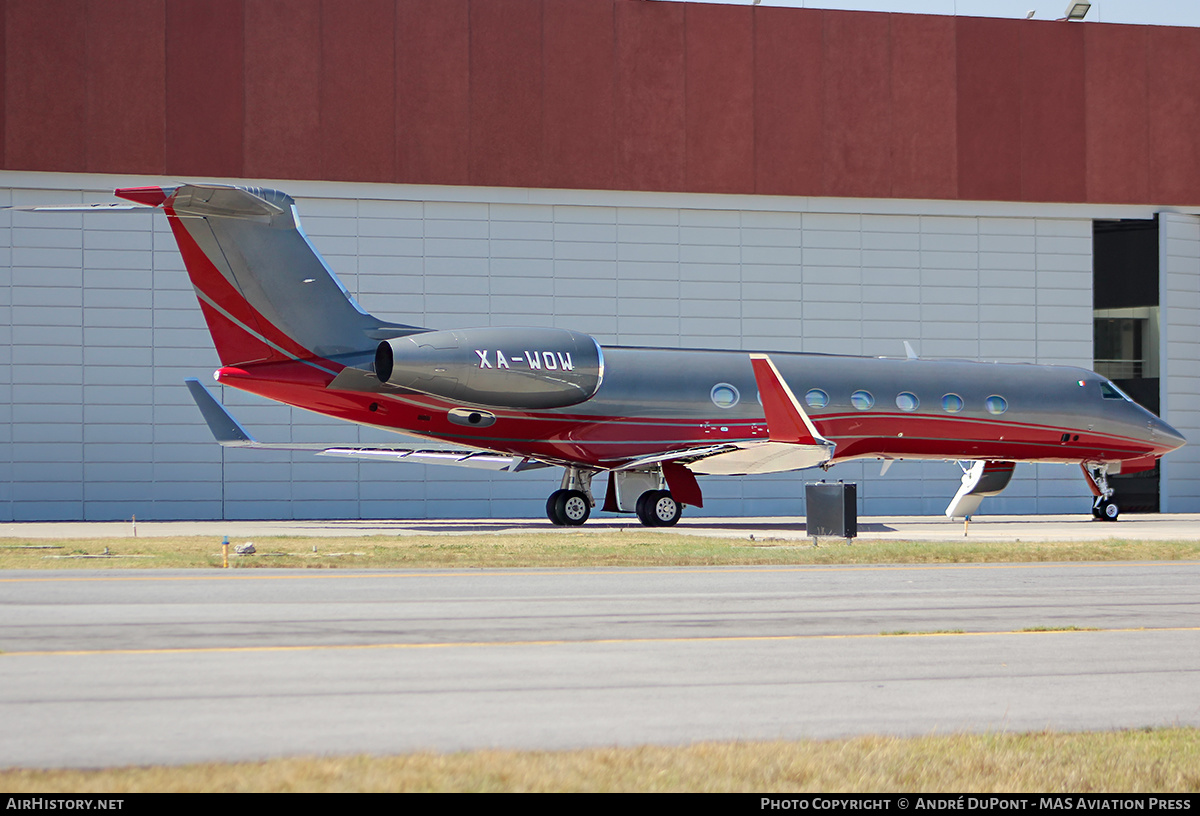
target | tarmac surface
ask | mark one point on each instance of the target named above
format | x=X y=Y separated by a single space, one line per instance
x=119 y=667
x=1165 y=526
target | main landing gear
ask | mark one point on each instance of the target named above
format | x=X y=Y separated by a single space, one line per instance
x=658 y=508
x=1104 y=506
x=568 y=508
x=571 y=505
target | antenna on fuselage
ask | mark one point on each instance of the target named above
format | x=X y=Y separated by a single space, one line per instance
x=908 y=351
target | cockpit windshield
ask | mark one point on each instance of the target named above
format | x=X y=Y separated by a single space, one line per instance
x=1110 y=391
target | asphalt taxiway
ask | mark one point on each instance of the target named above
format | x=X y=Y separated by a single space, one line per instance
x=145 y=667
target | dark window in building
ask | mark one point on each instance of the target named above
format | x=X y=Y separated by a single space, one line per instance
x=1126 y=330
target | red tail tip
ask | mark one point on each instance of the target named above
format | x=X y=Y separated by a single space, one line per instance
x=151 y=196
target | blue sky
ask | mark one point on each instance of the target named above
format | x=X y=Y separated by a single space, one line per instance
x=1152 y=12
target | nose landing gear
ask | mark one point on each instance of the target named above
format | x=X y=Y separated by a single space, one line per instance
x=1104 y=506
x=1105 y=509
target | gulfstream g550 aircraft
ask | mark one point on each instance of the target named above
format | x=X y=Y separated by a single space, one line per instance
x=653 y=419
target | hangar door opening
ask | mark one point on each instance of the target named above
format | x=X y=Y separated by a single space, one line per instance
x=1126 y=330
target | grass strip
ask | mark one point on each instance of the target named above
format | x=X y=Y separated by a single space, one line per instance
x=618 y=548
x=1148 y=761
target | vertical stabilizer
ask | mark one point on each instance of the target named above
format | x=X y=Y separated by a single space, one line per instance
x=266 y=293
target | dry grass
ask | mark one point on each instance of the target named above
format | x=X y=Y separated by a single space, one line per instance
x=615 y=548
x=1166 y=760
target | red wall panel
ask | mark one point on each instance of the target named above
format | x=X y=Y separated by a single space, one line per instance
x=3 y=81
x=283 y=70
x=650 y=102
x=788 y=100
x=604 y=94
x=1174 y=115
x=205 y=87
x=1115 y=88
x=720 y=98
x=358 y=90
x=857 y=104
x=989 y=109
x=126 y=78
x=46 y=85
x=433 y=81
x=924 y=148
x=578 y=128
x=506 y=93
x=1052 y=118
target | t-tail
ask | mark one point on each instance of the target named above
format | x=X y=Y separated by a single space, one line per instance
x=266 y=294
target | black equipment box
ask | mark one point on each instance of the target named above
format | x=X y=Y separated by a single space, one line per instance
x=832 y=509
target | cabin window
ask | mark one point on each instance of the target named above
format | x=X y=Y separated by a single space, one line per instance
x=996 y=404
x=952 y=403
x=725 y=395
x=816 y=398
x=862 y=400
x=907 y=401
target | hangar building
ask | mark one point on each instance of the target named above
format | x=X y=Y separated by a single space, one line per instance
x=668 y=174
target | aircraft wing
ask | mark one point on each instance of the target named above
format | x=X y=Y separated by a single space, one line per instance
x=230 y=434
x=792 y=443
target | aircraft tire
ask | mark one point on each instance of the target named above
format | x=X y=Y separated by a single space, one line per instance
x=552 y=511
x=658 y=508
x=572 y=507
x=1109 y=510
x=644 y=508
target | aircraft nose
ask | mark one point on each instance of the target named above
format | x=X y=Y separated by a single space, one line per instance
x=1165 y=436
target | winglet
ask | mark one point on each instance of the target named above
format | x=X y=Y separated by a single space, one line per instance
x=223 y=426
x=786 y=419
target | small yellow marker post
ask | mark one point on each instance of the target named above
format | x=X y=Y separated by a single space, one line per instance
x=966 y=524
x=225 y=553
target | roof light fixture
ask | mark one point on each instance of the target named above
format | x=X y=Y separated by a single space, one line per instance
x=1077 y=11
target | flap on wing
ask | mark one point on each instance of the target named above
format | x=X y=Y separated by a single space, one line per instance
x=762 y=457
x=681 y=455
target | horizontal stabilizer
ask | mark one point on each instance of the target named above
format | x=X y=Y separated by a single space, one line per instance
x=219 y=200
x=105 y=207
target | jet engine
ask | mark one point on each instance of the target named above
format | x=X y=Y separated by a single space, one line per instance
x=495 y=367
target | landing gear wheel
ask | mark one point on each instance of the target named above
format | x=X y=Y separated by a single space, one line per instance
x=573 y=507
x=1109 y=510
x=658 y=508
x=552 y=511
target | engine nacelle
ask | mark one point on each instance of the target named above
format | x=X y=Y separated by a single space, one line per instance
x=500 y=368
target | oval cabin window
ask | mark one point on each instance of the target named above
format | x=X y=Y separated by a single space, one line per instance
x=862 y=400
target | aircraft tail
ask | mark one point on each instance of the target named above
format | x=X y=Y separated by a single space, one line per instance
x=266 y=293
